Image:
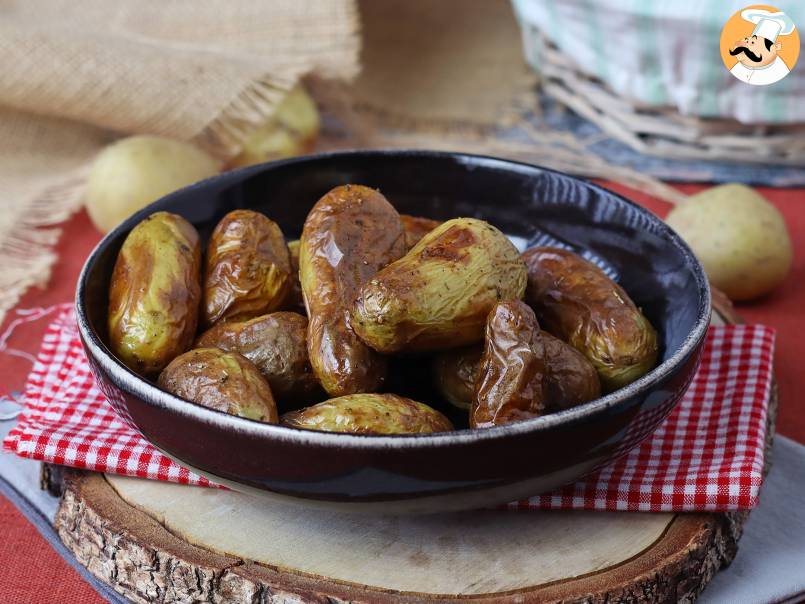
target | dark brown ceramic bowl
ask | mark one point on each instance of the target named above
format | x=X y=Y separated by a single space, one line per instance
x=422 y=473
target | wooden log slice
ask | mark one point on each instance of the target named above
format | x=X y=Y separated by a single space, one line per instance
x=159 y=542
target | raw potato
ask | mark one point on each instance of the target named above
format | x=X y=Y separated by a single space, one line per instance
x=291 y=130
x=416 y=227
x=132 y=172
x=155 y=292
x=248 y=269
x=369 y=414
x=224 y=381
x=570 y=379
x=511 y=373
x=739 y=237
x=350 y=234
x=277 y=345
x=438 y=295
x=578 y=303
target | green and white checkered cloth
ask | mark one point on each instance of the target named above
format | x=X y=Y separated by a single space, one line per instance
x=665 y=53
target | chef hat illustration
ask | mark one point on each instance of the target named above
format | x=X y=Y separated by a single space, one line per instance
x=768 y=25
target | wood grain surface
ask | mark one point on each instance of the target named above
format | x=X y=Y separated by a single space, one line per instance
x=158 y=542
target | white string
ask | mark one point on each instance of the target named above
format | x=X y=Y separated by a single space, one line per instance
x=25 y=315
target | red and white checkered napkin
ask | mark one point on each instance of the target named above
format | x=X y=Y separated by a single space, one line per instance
x=708 y=454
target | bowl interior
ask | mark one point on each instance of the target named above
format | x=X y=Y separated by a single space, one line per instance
x=531 y=205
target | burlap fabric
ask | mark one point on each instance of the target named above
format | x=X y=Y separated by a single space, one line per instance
x=75 y=75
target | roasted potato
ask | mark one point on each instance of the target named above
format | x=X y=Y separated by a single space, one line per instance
x=454 y=373
x=154 y=293
x=570 y=379
x=350 y=234
x=369 y=414
x=221 y=380
x=416 y=227
x=438 y=295
x=277 y=344
x=578 y=303
x=248 y=269
x=295 y=301
x=512 y=369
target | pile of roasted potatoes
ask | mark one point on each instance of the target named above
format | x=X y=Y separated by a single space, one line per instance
x=302 y=333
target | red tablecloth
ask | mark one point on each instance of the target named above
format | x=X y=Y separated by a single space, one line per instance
x=31 y=572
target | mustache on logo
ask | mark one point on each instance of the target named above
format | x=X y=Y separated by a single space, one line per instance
x=743 y=49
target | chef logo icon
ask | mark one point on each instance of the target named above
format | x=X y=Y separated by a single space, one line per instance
x=760 y=45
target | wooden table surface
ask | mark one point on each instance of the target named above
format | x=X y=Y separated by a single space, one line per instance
x=30 y=571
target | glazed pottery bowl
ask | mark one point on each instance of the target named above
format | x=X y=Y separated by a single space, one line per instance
x=435 y=472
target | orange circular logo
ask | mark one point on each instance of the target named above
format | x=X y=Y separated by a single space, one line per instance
x=759 y=45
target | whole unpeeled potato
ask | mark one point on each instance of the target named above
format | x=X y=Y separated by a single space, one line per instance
x=291 y=130
x=132 y=172
x=739 y=237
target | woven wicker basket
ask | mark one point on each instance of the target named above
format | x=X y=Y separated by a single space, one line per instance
x=660 y=131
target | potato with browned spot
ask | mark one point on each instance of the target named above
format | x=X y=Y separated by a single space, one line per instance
x=248 y=268
x=351 y=233
x=154 y=293
x=438 y=295
x=454 y=372
x=295 y=300
x=416 y=227
x=570 y=379
x=221 y=380
x=512 y=370
x=369 y=414
x=578 y=303
x=277 y=344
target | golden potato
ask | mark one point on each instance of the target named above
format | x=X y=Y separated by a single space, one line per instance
x=350 y=234
x=438 y=295
x=220 y=380
x=248 y=269
x=511 y=373
x=416 y=227
x=578 y=303
x=570 y=379
x=454 y=374
x=132 y=172
x=154 y=293
x=369 y=414
x=739 y=237
x=291 y=130
x=277 y=344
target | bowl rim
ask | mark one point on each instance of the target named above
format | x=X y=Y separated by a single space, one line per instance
x=149 y=393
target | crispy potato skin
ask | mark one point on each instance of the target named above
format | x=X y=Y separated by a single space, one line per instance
x=295 y=301
x=351 y=233
x=512 y=369
x=248 y=268
x=277 y=344
x=438 y=295
x=578 y=303
x=155 y=292
x=454 y=373
x=369 y=414
x=416 y=227
x=225 y=381
x=570 y=379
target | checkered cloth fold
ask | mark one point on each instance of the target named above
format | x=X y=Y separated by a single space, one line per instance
x=707 y=455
